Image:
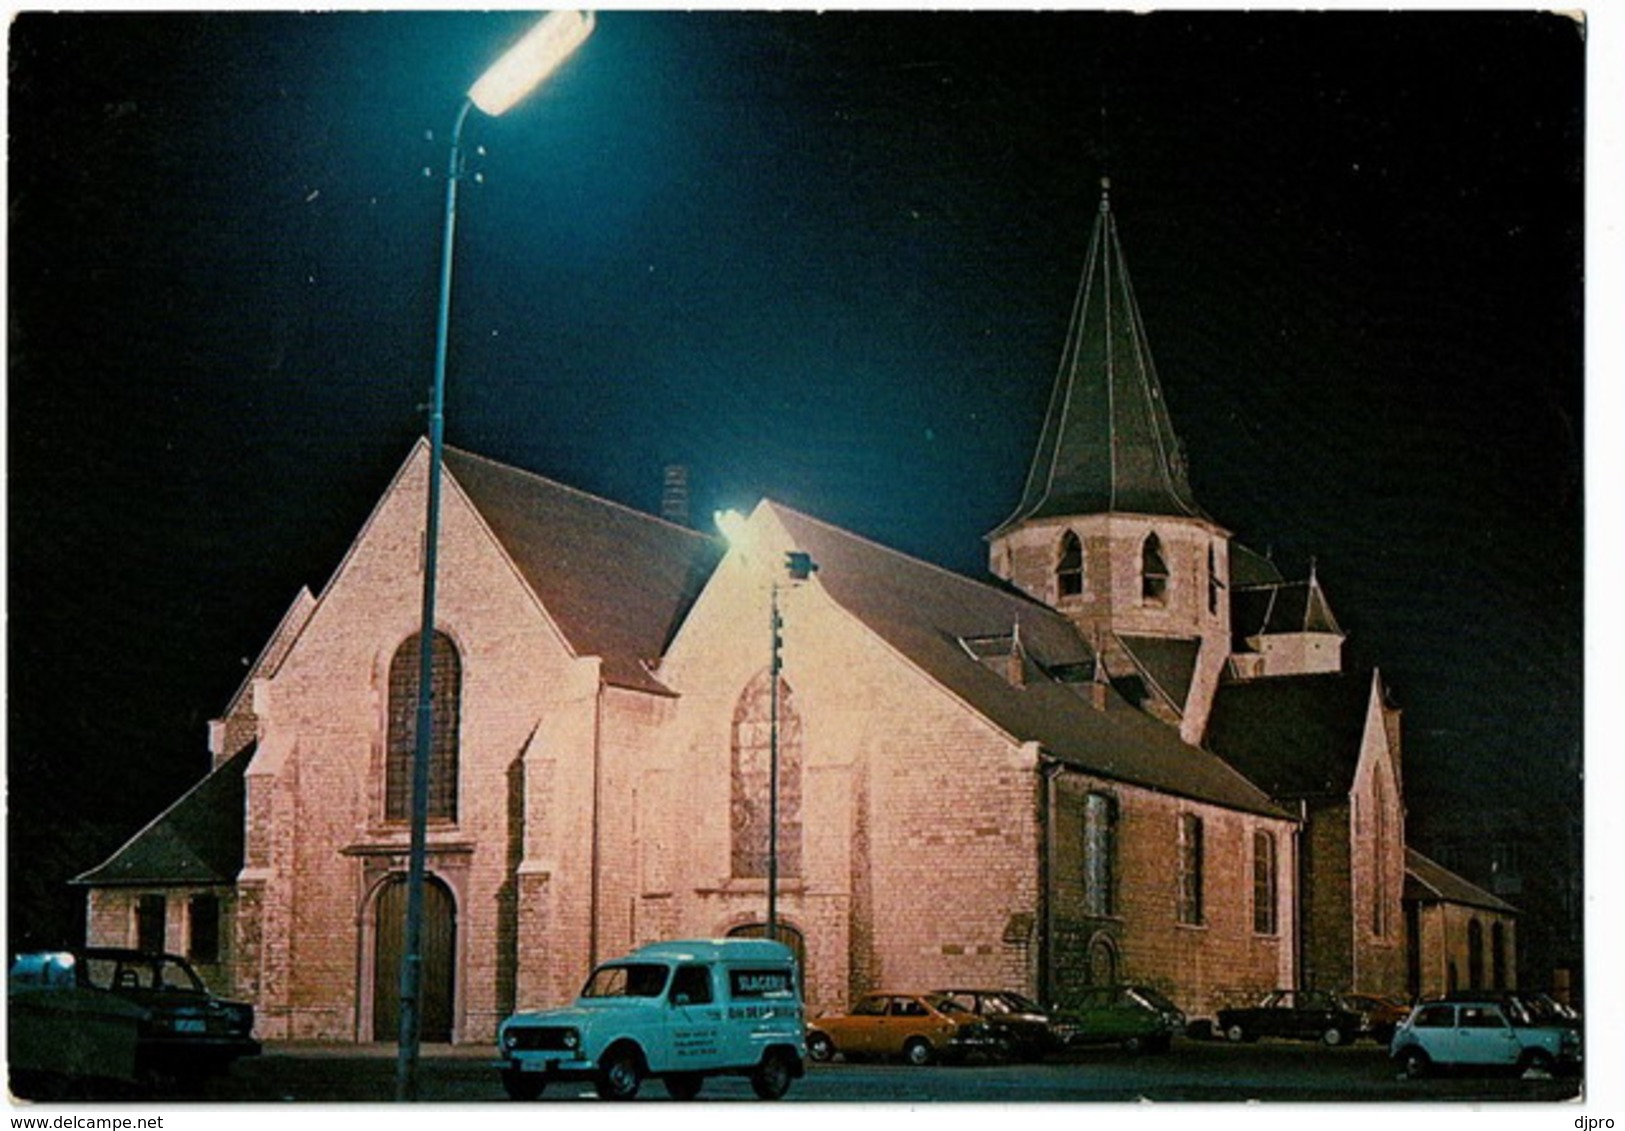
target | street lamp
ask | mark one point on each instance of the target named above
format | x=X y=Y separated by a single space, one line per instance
x=554 y=38
x=798 y=566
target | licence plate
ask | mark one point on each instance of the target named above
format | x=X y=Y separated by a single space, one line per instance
x=189 y=1025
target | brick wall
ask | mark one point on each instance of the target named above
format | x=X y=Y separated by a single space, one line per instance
x=1201 y=967
x=1445 y=950
x=320 y=847
x=919 y=828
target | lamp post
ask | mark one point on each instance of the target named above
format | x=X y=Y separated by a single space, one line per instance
x=797 y=567
x=520 y=70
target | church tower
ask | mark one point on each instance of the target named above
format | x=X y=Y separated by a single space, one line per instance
x=1107 y=530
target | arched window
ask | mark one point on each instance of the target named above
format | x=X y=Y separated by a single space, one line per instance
x=1099 y=854
x=1153 y=571
x=751 y=764
x=1264 y=890
x=1380 y=848
x=1475 y=955
x=403 y=728
x=1101 y=966
x=1069 y=568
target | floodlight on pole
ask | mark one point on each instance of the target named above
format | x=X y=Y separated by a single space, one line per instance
x=509 y=80
x=797 y=567
x=527 y=63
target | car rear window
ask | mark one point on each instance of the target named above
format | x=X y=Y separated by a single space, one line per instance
x=1435 y=1017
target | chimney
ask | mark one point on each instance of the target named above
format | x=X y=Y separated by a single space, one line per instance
x=674 y=494
x=1100 y=682
x=1015 y=670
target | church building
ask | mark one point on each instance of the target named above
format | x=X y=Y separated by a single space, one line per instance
x=1134 y=755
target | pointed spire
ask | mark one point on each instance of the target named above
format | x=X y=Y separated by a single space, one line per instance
x=1108 y=444
x=1317 y=611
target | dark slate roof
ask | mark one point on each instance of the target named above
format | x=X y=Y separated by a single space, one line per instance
x=1108 y=444
x=924 y=612
x=1249 y=567
x=1298 y=737
x=197 y=840
x=1288 y=606
x=616 y=581
x=1170 y=664
x=1427 y=881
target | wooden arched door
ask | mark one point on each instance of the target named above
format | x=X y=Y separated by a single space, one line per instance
x=439 y=950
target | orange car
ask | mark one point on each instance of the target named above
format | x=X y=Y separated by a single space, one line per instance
x=1379 y=1016
x=920 y=1028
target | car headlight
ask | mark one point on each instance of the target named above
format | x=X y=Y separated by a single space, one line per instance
x=572 y=1039
x=509 y=1040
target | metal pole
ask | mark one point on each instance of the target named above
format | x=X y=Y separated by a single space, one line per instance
x=773 y=776
x=412 y=959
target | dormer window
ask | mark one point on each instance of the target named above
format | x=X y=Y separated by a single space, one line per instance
x=1069 y=569
x=1153 y=572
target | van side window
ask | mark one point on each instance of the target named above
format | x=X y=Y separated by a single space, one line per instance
x=691 y=986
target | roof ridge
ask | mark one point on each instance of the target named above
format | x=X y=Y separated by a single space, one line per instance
x=1015 y=595
x=476 y=457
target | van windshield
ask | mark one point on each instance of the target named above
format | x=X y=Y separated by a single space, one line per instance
x=627 y=979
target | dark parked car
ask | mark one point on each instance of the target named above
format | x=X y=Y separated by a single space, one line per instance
x=62 y=1034
x=1024 y=1025
x=185 y=1031
x=1305 y=1015
x=1137 y=1017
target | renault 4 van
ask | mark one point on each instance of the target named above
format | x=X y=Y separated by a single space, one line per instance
x=675 y=1011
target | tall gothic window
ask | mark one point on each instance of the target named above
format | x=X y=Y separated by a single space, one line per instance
x=1069 y=569
x=1099 y=854
x=751 y=769
x=1264 y=893
x=403 y=729
x=1212 y=580
x=1475 y=955
x=1379 y=865
x=1190 y=869
x=1153 y=571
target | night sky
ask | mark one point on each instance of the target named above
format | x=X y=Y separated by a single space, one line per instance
x=823 y=258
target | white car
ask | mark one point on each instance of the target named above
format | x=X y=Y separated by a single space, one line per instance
x=1479 y=1034
x=678 y=1011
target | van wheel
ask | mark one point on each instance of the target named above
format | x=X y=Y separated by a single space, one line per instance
x=771 y=1079
x=1538 y=1060
x=820 y=1047
x=1414 y=1063
x=621 y=1074
x=918 y=1052
x=684 y=1085
x=523 y=1085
